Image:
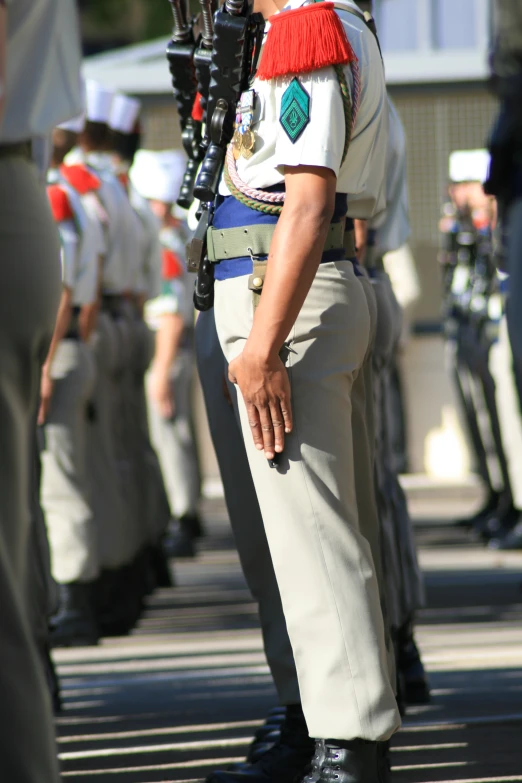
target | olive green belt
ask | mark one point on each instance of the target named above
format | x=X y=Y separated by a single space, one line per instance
x=18 y=149
x=224 y=243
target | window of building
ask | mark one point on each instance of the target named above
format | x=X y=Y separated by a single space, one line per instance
x=397 y=23
x=455 y=24
x=432 y=25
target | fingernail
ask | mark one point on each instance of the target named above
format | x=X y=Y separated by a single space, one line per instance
x=259 y=447
x=288 y=430
x=279 y=449
x=269 y=454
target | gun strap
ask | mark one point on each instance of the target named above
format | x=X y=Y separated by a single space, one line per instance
x=255 y=240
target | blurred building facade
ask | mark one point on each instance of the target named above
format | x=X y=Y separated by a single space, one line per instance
x=435 y=54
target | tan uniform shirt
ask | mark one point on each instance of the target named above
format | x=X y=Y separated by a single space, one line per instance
x=393 y=225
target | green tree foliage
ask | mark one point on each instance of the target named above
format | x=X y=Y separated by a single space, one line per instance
x=108 y=15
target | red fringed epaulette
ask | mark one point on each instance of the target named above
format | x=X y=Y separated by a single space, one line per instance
x=171 y=264
x=197 y=109
x=304 y=40
x=60 y=204
x=80 y=178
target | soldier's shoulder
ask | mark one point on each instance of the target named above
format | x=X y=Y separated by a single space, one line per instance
x=304 y=39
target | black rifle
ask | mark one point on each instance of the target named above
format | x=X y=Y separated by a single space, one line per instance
x=237 y=33
x=180 y=55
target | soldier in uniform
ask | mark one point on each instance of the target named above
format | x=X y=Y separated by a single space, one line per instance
x=504 y=179
x=404 y=588
x=170 y=315
x=470 y=282
x=65 y=498
x=124 y=124
x=37 y=90
x=114 y=492
x=294 y=352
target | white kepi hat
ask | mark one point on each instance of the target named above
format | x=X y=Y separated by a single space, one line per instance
x=158 y=175
x=75 y=125
x=124 y=113
x=98 y=100
x=469 y=166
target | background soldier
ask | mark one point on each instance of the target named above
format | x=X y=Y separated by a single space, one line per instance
x=157 y=177
x=470 y=283
x=65 y=499
x=37 y=91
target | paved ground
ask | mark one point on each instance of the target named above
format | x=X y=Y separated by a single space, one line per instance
x=184 y=693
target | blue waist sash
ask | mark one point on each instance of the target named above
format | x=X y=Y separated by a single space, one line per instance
x=231 y=213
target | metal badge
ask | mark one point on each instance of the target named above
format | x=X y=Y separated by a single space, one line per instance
x=244 y=139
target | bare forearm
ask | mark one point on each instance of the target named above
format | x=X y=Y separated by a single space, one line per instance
x=295 y=254
x=63 y=320
x=88 y=318
x=168 y=338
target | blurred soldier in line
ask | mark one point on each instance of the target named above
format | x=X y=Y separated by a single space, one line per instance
x=146 y=285
x=387 y=232
x=157 y=177
x=39 y=87
x=505 y=182
x=65 y=497
x=472 y=313
x=505 y=176
x=115 y=494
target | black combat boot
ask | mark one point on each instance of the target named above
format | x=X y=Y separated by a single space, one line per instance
x=414 y=683
x=118 y=603
x=355 y=761
x=264 y=739
x=181 y=537
x=510 y=539
x=160 y=565
x=75 y=624
x=316 y=766
x=287 y=761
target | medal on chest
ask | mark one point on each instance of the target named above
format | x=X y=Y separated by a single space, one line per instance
x=244 y=140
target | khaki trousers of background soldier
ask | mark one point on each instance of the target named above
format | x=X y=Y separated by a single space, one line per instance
x=115 y=546
x=321 y=556
x=157 y=511
x=124 y=431
x=405 y=590
x=174 y=441
x=65 y=499
x=29 y=295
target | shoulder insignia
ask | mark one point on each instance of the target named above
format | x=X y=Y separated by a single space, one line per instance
x=304 y=40
x=295 y=110
x=80 y=178
x=60 y=204
x=171 y=264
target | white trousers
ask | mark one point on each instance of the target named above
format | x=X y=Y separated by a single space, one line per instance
x=65 y=499
x=322 y=558
x=173 y=439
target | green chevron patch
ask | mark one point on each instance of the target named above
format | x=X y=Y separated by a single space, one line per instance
x=295 y=110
